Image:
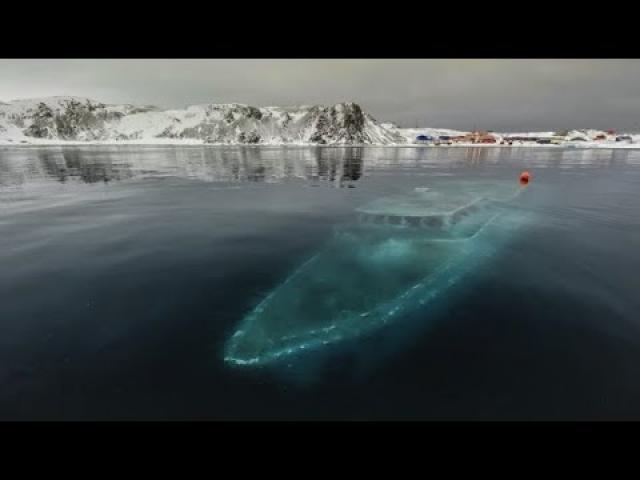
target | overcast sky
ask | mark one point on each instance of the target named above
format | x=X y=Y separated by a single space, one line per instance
x=508 y=95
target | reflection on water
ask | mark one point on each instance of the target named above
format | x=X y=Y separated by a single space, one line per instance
x=340 y=167
x=39 y=177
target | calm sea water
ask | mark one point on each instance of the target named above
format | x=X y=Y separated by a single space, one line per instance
x=123 y=271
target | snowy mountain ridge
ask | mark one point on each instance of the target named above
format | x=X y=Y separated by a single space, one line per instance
x=62 y=119
x=79 y=119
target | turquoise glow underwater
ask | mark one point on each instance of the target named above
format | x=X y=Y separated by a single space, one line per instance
x=373 y=272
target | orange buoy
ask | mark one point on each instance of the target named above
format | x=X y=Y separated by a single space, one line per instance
x=525 y=177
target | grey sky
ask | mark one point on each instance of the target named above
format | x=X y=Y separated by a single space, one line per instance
x=509 y=95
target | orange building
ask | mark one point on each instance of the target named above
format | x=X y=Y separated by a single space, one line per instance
x=477 y=137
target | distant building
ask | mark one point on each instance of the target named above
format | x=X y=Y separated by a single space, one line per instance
x=424 y=139
x=483 y=137
x=444 y=140
x=518 y=138
x=477 y=137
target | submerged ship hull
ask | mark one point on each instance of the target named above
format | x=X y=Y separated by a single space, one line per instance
x=405 y=252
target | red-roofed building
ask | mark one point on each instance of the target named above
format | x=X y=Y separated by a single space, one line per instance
x=476 y=137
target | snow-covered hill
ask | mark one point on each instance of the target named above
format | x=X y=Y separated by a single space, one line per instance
x=410 y=134
x=76 y=119
x=79 y=119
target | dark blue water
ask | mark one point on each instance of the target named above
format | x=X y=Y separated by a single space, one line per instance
x=123 y=271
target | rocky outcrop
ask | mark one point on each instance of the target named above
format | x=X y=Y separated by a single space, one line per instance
x=81 y=119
